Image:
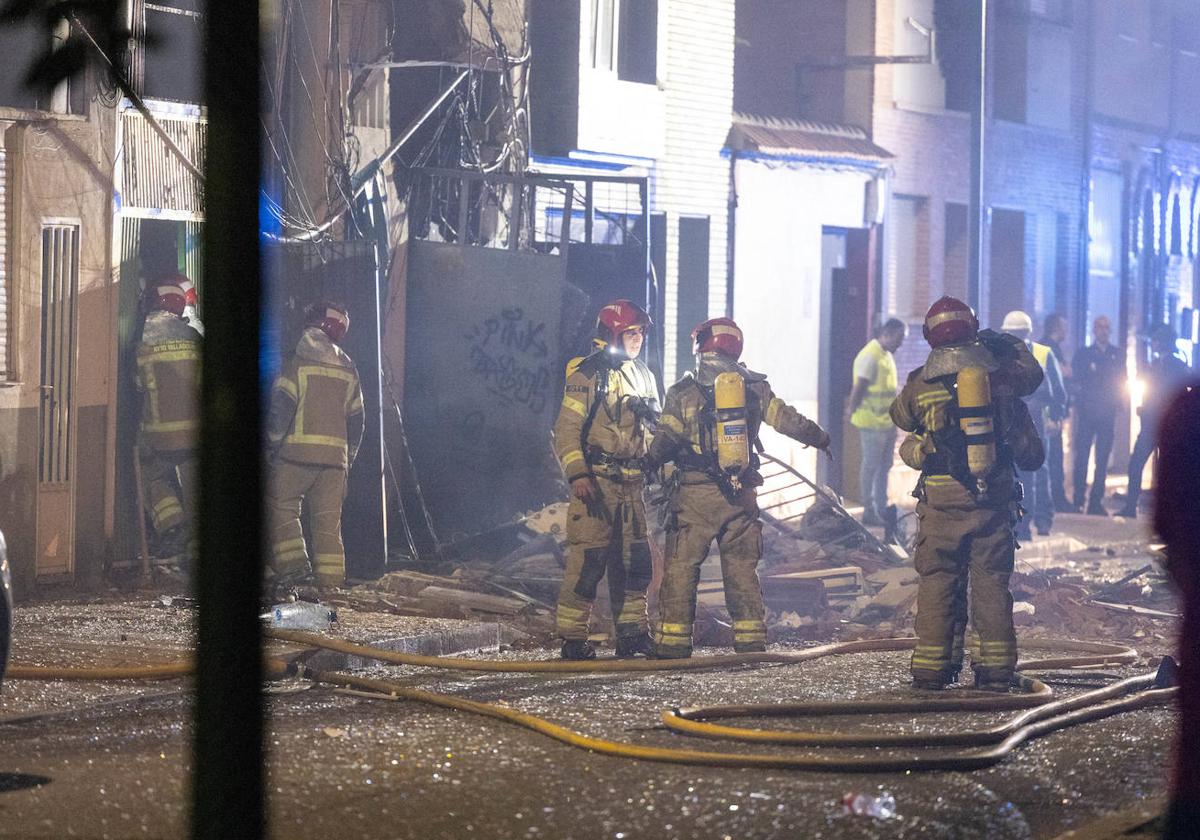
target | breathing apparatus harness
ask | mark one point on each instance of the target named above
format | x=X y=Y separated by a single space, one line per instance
x=601 y=362
x=969 y=447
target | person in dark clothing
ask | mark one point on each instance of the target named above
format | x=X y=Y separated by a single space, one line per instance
x=1053 y=336
x=1176 y=511
x=1099 y=376
x=1164 y=377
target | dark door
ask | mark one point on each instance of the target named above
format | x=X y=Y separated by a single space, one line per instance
x=849 y=319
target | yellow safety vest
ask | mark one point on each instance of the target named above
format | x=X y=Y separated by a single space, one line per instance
x=872 y=412
x=1041 y=352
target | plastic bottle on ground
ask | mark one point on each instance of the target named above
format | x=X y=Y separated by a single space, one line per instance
x=300 y=615
x=881 y=807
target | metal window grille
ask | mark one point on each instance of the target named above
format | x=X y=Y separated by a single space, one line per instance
x=60 y=283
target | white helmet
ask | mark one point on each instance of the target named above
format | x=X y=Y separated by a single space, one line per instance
x=1017 y=321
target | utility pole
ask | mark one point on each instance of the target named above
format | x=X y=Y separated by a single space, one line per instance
x=977 y=210
x=227 y=773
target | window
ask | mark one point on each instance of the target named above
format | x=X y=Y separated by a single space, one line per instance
x=625 y=38
x=908 y=256
x=603 y=19
x=21 y=44
x=173 y=65
x=956 y=251
x=1010 y=69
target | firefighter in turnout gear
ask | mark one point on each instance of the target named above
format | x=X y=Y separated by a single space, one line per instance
x=968 y=431
x=605 y=425
x=314 y=429
x=168 y=378
x=705 y=434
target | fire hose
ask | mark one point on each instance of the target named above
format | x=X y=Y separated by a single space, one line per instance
x=1043 y=714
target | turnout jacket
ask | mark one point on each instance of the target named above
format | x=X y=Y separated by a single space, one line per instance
x=168 y=377
x=687 y=424
x=316 y=414
x=935 y=444
x=622 y=400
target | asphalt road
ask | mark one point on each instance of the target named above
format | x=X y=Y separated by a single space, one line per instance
x=346 y=766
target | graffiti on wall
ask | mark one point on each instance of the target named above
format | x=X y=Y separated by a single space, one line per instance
x=508 y=351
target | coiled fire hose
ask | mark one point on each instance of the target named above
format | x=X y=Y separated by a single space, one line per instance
x=1043 y=713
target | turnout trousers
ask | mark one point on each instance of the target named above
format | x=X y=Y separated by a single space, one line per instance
x=702 y=513
x=169 y=486
x=324 y=488
x=959 y=548
x=606 y=536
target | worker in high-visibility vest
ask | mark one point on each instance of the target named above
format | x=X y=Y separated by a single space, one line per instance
x=867 y=410
x=168 y=378
x=968 y=428
x=1048 y=404
x=314 y=428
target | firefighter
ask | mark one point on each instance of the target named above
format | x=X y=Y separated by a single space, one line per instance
x=314 y=429
x=168 y=379
x=968 y=430
x=1048 y=404
x=707 y=436
x=605 y=425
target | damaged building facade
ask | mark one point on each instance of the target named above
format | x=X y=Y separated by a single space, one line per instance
x=93 y=203
x=1090 y=193
x=476 y=178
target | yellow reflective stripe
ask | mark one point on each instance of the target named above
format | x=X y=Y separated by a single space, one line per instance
x=287 y=386
x=317 y=440
x=676 y=629
x=929 y=398
x=940 y=480
x=165 y=503
x=671 y=422
x=631 y=613
x=566 y=611
x=287 y=545
x=170 y=425
x=329 y=561
x=749 y=624
x=569 y=458
x=773 y=409
x=572 y=404
x=668 y=640
x=154 y=357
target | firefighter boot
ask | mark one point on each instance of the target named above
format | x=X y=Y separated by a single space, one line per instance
x=639 y=644
x=577 y=649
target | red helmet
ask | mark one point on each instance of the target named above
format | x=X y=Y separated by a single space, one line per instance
x=189 y=288
x=333 y=319
x=950 y=321
x=719 y=335
x=166 y=297
x=618 y=316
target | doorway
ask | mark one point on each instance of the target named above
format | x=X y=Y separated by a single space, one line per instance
x=56 y=412
x=846 y=285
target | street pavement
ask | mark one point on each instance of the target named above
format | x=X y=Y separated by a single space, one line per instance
x=112 y=760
